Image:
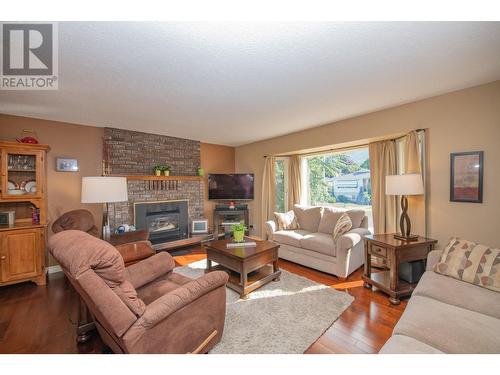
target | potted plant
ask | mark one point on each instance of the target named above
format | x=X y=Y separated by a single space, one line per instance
x=158 y=169
x=200 y=171
x=166 y=170
x=238 y=231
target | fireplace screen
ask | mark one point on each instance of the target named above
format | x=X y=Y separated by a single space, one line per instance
x=163 y=222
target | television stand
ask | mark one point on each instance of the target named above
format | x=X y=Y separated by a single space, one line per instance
x=225 y=217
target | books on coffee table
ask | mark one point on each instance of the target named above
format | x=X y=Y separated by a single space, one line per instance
x=231 y=245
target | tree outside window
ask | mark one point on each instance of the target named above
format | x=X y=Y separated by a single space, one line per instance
x=340 y=180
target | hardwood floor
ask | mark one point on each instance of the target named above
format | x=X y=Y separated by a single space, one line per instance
x=42 y=319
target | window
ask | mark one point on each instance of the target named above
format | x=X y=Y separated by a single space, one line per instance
x=281 y=184
x=339 y=179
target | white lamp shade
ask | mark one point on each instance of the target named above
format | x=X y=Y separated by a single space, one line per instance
x=404 y=184
x=104 y=189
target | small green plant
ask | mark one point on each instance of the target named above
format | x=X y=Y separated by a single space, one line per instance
x=166 y=170
x=238 y=231
x=158 y=168
x=240 y=227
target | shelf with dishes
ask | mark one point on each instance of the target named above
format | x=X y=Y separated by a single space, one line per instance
x=26 y=187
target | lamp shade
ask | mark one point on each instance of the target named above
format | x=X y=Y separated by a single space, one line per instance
x=404 y=184
x=104 y=189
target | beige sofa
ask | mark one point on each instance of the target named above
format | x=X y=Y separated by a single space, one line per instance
x=445 y=315
x=313 y=246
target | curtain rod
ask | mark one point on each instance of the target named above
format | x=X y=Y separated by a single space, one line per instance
x=338 y=149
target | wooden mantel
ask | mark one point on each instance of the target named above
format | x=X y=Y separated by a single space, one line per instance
x=158 y=178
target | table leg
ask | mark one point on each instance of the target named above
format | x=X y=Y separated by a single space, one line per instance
x=394 y=276
x=243 y=278
x=276 y=268
x=209 y=266
x=244 y=295
x=368 y=265
x=243 y=282
x=394 y=300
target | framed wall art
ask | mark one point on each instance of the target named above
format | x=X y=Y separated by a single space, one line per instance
x=66 y=165
x=466 y=177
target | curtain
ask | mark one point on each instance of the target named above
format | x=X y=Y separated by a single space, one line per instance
x=413 y=164
x=412 y=154
x=382 y=163
x=294 y=181
x=268 y=192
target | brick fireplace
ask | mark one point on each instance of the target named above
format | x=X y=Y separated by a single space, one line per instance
x=135 y=153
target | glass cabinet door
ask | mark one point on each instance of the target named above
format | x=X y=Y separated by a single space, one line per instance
x=22 y=174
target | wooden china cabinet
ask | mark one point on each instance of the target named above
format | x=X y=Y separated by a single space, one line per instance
x=23 y=190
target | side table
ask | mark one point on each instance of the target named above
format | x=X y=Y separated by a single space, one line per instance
x=395 y=252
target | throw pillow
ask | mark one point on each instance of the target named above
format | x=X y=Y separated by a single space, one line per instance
x=308 y=217
x=344 y=224
x=286 y=221
x=470 y=262
x=356 y=217
x=329 y=218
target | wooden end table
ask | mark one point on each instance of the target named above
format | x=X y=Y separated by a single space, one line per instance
x=249 y=268
x=395 y=252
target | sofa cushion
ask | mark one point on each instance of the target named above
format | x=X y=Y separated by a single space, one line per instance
x=128 y=295
x=344 y=224
x=290 y=237
x=286 y=221
x=356 y=217
x=308 y=217
x=321 y=242
x=400 y=344
x=472 y=263
x=329 y=218
x=161 y=286
x=458 y=293
x=449 y=328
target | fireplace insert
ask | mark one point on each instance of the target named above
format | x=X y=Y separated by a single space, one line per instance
x=165 y=221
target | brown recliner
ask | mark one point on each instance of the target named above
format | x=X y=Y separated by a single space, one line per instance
x=133 y=246
x=144 y=308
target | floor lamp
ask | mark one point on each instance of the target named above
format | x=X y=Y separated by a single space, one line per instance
x=104 y=190
x=404 y=185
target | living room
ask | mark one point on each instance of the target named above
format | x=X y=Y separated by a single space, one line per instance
x=262 y=188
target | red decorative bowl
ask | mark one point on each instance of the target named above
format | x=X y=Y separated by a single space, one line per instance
x=31 y=140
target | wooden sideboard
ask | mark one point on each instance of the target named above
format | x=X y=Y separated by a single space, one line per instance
x=23 y=186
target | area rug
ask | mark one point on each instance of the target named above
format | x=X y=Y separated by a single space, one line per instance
x=283 y=317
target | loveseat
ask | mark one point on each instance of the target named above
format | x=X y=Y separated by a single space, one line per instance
x=446 y=315
x=312 y=245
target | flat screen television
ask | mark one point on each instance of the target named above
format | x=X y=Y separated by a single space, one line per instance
x=234 y=187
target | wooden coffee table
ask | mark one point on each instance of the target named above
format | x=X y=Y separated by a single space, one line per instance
x=249 y=268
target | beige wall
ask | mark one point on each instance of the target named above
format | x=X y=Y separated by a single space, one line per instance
x=85 y=144
x=215 y=159
x=465 y=120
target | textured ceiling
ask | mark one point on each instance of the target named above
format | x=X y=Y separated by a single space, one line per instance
x=233 y=83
